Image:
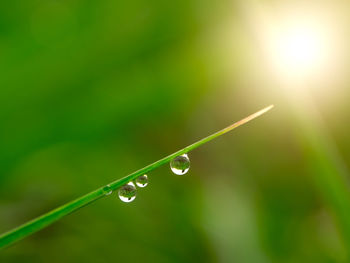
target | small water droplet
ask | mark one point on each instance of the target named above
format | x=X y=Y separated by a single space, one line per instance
x=180 y=164
x=107 y=189
x=127 y=193
x=142 y=181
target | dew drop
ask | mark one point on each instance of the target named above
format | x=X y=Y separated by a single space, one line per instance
x=180 y=164
x=142 y=181
x=127 y=193
x=107 y=190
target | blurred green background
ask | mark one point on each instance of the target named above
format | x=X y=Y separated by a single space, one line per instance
x=93 y=90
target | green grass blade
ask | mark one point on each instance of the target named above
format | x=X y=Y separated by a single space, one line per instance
x=41 y=222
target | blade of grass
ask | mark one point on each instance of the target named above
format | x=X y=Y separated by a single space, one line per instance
x=43 y=221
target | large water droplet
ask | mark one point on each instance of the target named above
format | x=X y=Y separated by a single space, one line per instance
x=180 y=164
x=142 y=181
x=107 y=190
x=127 y=193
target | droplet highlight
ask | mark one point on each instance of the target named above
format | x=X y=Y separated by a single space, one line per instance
x=142 y=181
x=180 y=164
x=127 y=193
x=107 y=190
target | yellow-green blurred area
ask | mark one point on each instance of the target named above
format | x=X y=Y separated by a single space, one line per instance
x=91 y=91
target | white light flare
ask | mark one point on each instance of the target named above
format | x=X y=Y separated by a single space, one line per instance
x=302 y=47
x=300 y=41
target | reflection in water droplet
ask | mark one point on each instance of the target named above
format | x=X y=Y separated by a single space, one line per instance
x=127 y=193
x=180 y=164
x=142 y=181
x=107 y=190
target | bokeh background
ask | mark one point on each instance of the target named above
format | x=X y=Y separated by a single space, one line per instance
x=93 y=90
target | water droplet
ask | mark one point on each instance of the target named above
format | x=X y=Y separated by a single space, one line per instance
x=142 y=181
x=180 y=164
x=127 y=193
x=107 y=190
